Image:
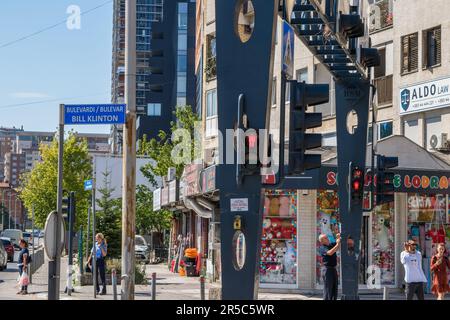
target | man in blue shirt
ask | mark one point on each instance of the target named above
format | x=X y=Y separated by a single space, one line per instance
x=100 y=249
x=328 y=251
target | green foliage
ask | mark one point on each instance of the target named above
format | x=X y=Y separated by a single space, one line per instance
x=38 y=188
x=148 y=220
x=109 y=217
x=160 y=149
x=139 y=272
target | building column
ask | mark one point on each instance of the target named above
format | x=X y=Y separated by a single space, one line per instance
x=306 y=229
x=401 y=219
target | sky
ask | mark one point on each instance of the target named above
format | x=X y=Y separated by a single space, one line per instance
x=60 y=65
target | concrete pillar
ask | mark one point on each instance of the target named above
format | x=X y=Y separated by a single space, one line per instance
x=401 y=220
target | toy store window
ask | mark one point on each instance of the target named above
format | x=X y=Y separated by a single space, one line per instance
x=428 y=222
x=278 y=256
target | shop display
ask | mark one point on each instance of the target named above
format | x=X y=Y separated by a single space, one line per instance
x=327 y=223
x=383 y=244
x=278 y=263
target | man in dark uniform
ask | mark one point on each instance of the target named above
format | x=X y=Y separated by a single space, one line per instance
x=329 y=258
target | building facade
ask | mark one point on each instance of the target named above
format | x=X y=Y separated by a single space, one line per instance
x=165 y=63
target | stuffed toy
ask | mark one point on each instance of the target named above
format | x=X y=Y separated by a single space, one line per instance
x=266 y=223
x=325 y=226
x=274 y=207
x=266 y=206
x=289 y=258
x=284 y=206
x=382 y=234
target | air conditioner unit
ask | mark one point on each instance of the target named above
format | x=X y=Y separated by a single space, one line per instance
x=440 y=143
x=445 y=143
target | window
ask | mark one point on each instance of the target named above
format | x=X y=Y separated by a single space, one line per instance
x=410 y=53
x=385 y=129
x=432 y=47
x=182 y=16
x=380 y=71
x=182 y=42
x=211 y=113
x=302 y=75
x=274 y=92
x=370 y=135
x=154 y=109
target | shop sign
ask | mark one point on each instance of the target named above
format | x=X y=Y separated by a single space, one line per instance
x=173 y=191
x=191 y=180
x=157 y=199
x=405 y=181
x=164 y=196
x=425 y=96
x=209 y=179
x=240 y=204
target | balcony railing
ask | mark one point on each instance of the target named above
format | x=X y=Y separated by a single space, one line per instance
x=384 y=87
x=381 y=15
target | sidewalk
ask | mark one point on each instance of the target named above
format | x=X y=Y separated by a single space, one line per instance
x=169 y=286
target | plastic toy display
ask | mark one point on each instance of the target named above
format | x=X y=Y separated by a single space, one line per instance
x=279 y=238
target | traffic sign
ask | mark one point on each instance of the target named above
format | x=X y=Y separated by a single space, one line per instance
x=94 y=114
x=87 y=185
x=49 y=236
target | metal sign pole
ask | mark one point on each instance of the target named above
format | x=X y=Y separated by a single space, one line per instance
x=32 y=243
x=94 y=252
x=54 y=266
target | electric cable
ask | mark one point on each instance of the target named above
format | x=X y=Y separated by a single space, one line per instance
x=7 y=44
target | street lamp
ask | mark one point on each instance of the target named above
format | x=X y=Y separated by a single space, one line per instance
x=3 y=208
x=9 y=210
x=15 y=211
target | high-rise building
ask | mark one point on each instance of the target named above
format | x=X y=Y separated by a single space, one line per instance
x=165 y=44
x=7 y=137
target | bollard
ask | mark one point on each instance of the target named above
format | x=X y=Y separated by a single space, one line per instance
x=154 y=286
x=114 y=283
x=202 y=288
x=385 y=293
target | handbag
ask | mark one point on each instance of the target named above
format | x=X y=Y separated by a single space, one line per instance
x=87 y=269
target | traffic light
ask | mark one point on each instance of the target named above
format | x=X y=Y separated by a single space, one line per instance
x=356 y=184
x=385 y=179
x=302 y=96
x=66 y=208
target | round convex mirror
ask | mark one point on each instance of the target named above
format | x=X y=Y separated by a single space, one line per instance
x=239 y=250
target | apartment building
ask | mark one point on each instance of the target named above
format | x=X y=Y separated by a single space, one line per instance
x=7 y=136
x=165 y=63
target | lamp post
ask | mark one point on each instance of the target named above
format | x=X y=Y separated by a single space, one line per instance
x=9 y=210
x=3 y=208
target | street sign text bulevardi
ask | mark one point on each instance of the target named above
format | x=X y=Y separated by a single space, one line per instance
x=94 y=114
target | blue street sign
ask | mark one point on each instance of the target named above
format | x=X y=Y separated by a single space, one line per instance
x=94 y=114
x=287 y=54
x=88 y=185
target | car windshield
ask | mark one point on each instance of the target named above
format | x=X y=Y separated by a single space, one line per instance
x=140 y=241
x=26 y=234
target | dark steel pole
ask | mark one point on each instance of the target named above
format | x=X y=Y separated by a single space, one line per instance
x=202 y=288
x=154 y=286
x=71 y=222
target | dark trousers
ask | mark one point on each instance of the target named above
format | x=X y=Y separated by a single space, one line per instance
x=414 y=288
x=330 y=286
x=100 y=266
x=24 y=288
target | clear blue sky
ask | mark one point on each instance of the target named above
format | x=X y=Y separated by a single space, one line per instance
x=56 y=64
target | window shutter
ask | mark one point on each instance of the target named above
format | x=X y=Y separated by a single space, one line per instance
x=405 y=54
x=414 y=52
x=425 y=46
x=437 y=34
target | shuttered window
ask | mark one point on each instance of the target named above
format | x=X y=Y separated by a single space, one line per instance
x=410 y=53
x=432 y=47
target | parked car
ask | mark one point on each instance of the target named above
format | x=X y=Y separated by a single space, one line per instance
x=14 y=234
x=141 y=249
x=41 y=234
x=36 y=233
x=8 y=247
x=27 y=236
x=3 y=257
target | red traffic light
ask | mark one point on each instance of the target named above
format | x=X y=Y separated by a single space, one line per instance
x=356 y=185
x=252 y=140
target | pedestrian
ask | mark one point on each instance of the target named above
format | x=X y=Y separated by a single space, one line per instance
x=414 y=275
x=439 y=266
x=100 y=249
x=22 y=263
x=329 y=258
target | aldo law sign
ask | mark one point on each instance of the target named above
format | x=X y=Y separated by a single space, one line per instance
x=94 y=114
x=425 y=96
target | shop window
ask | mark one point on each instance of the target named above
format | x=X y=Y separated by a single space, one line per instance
x=274 y=92
x=278 y=263
x=431 y=48
x=327 y=223
x=383 y=244
x=410 y=53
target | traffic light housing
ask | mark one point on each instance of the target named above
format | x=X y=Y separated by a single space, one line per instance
x=356 y=184
x=385 y=179
x=302 y=96
x=66 y=207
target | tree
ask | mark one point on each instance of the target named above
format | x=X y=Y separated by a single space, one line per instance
x=109 y=217
x=162 y=148
x=38 y=187
x=148 y=220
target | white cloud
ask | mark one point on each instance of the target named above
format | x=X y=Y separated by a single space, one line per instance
x=29 y=95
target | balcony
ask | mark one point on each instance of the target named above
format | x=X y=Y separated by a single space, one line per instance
x=210 y=69
x=381 y=15
x=384 y=87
